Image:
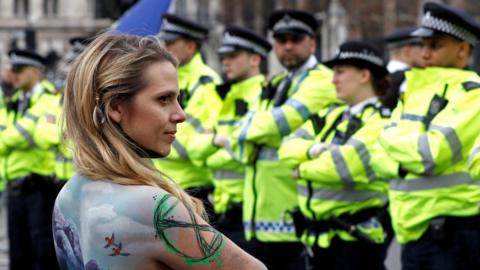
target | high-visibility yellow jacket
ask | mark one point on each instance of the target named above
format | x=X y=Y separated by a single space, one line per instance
x=202 y=104
x=340 y=181
x=474 y=160
x=20 y=150
x=228 y=172
x=269 y=189
x=50 y=123
x=3 y=126
x=428 y=142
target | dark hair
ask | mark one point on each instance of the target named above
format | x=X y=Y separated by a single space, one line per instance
x=380 y=84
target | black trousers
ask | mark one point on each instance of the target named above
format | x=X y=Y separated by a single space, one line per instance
x=346 y=255
x=230 y=224
x=30 y=227
x=280 y=256
x=461 y=251
x=204 y=194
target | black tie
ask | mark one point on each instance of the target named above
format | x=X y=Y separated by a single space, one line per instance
x=281 y=94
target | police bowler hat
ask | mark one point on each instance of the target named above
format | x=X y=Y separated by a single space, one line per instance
x=359 y=54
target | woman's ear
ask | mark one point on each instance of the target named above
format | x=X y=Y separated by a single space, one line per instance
x=116 y=111
x=366 y=75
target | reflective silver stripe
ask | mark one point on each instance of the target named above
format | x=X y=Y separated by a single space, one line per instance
x=427 y=158
x=281 y=121
x=30 y=116
x=413 y=117
x=268 y=154
x=182 y=152
x=343 y=195
x=473 y=154
x=302 y=133
x=195 y=123
x=390 y=125
x=300 y=108
x=25 y=135
x=227 y=122
x=433 y=182
x=453 y=141
x=228 y=175
x=63 y=159
x=342 y=168
x=364 y=156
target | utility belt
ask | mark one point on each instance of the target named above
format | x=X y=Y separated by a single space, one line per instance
x=442 y=228
x=29 y=183
x=345 y=222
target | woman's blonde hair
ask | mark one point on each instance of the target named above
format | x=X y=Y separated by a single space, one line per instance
x=112 y=69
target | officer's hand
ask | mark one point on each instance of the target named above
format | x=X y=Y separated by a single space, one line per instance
x=316 y=149
x=220 y=140
x=296 y=173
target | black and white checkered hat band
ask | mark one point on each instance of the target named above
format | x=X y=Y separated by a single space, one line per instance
x=287 y=23
x=229 y=40
x=20 y=60
x=363 y=56
x=441 y=25
x=178 y=29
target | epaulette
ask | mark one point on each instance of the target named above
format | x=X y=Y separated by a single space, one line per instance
x=470 y=85
x=223 y=89
x=204 y=79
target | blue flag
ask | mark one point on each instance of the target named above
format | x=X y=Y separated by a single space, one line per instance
x=144 y=18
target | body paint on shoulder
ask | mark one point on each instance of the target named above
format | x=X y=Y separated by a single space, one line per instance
x=163 y=220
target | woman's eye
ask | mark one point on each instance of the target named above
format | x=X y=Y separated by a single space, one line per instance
x=165 y=99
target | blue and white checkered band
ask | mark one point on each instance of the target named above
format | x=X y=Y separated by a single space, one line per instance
x=229 y=40
x=178 y=29
x=21 y=60
x=441 y=25
x=361 y=55
x=289 y=22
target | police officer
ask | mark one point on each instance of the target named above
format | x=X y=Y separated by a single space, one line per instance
x=339 y=194
x=28 y=168
x=242 y=51
x=433 y=200
x=404 y=51
x=285 y=103
x=183 y=38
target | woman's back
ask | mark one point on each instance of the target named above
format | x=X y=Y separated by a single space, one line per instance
x=103 y=225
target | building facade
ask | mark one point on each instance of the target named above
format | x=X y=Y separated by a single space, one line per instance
x=47 y=25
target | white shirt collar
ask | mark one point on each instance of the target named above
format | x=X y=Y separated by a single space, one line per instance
x=38 y=87
x=395 y=65
x=354 y=110
x=310 y=63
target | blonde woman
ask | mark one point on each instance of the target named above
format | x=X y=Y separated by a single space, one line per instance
x=118 y=212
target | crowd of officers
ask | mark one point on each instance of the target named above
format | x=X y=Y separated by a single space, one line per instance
x=318 y=167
